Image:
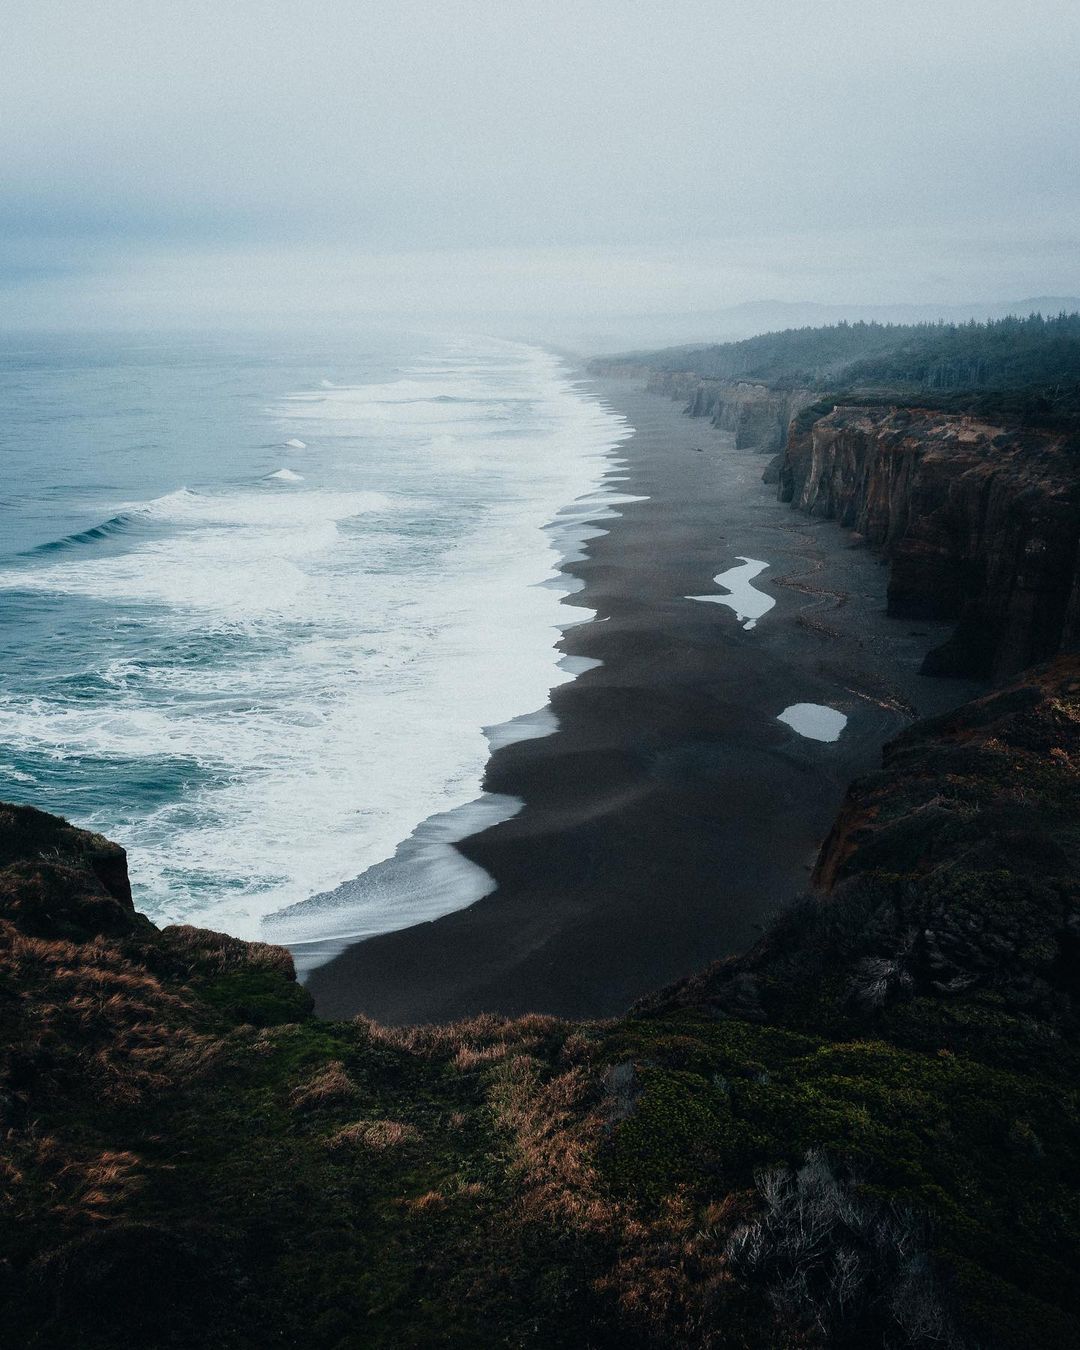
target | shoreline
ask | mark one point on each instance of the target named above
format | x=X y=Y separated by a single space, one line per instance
x=672 y=812
x=425 y=875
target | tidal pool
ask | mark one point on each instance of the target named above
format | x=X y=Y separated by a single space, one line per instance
x=816 y=721
x=746 y=600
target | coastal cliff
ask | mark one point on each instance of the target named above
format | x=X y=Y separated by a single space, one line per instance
x=757 y=416
x=861 y=1132
x=949 y=874
x=954 y=450
x=980 y=523
x=754 y=413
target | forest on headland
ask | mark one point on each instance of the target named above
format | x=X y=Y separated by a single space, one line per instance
x=1024 y=368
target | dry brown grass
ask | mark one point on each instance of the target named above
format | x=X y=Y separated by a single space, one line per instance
x=374 y=1134
x=469 y=1057
x=670 y=1273
x=576 y=1049
x=71 y=1183
x=477 y=1040
x=217 y=953
x=88 y=1015
x=431 y=1202
x=331 y=1086
x=92 y=1026
x=556 y=1124
x=100 y=1019
x=470 y=1190
x=100 y=1186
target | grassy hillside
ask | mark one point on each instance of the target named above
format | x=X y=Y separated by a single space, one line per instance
x=864 y=1132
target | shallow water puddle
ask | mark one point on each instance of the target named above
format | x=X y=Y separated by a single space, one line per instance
x=747 y=601
x=816 y=721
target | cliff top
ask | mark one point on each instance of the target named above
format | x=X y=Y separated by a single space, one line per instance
x=863 y=1131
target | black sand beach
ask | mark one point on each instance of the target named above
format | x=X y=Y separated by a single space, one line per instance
x=672 y=813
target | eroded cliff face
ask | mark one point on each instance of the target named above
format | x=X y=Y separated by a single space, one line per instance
x=980 y=523
x=949 y=874
x=755 y=414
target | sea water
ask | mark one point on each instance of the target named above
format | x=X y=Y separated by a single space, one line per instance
x=268 y=602
x=815 y=721
x=743 y=598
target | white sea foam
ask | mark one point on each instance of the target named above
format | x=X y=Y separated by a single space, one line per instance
x=579 y=665
x=328 y=658
x=286 y=476
x=527 y=727
x=295 y=443
x=424 y=878
x=243 y=557
x=747 y=602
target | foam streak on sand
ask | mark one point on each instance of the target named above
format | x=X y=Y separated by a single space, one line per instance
x=301 y=669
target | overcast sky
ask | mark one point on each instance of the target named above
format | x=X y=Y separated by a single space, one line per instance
x=581 y=156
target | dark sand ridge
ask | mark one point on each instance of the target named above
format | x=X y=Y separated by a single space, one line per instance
x=671 y=814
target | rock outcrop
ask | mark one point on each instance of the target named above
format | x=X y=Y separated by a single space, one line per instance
x=980 y=524
x=947 y=922
x=757 y=415
x=950 y=874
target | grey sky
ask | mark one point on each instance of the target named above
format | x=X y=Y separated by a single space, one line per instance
x=603 y=154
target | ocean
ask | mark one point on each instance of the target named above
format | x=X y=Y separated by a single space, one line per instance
x=266 y=604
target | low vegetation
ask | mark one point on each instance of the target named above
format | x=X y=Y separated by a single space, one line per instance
x=863 y=1132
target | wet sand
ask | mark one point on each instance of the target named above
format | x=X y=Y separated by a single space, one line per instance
x=672 y=813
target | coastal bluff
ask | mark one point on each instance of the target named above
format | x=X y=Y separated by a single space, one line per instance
x=980 y=523
x=862 y=1131
x=756 y=414
x=952 y=450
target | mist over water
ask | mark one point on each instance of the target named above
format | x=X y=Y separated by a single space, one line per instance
x=260 y=607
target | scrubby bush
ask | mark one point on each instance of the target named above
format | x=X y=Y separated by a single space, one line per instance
x=840 y=1268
